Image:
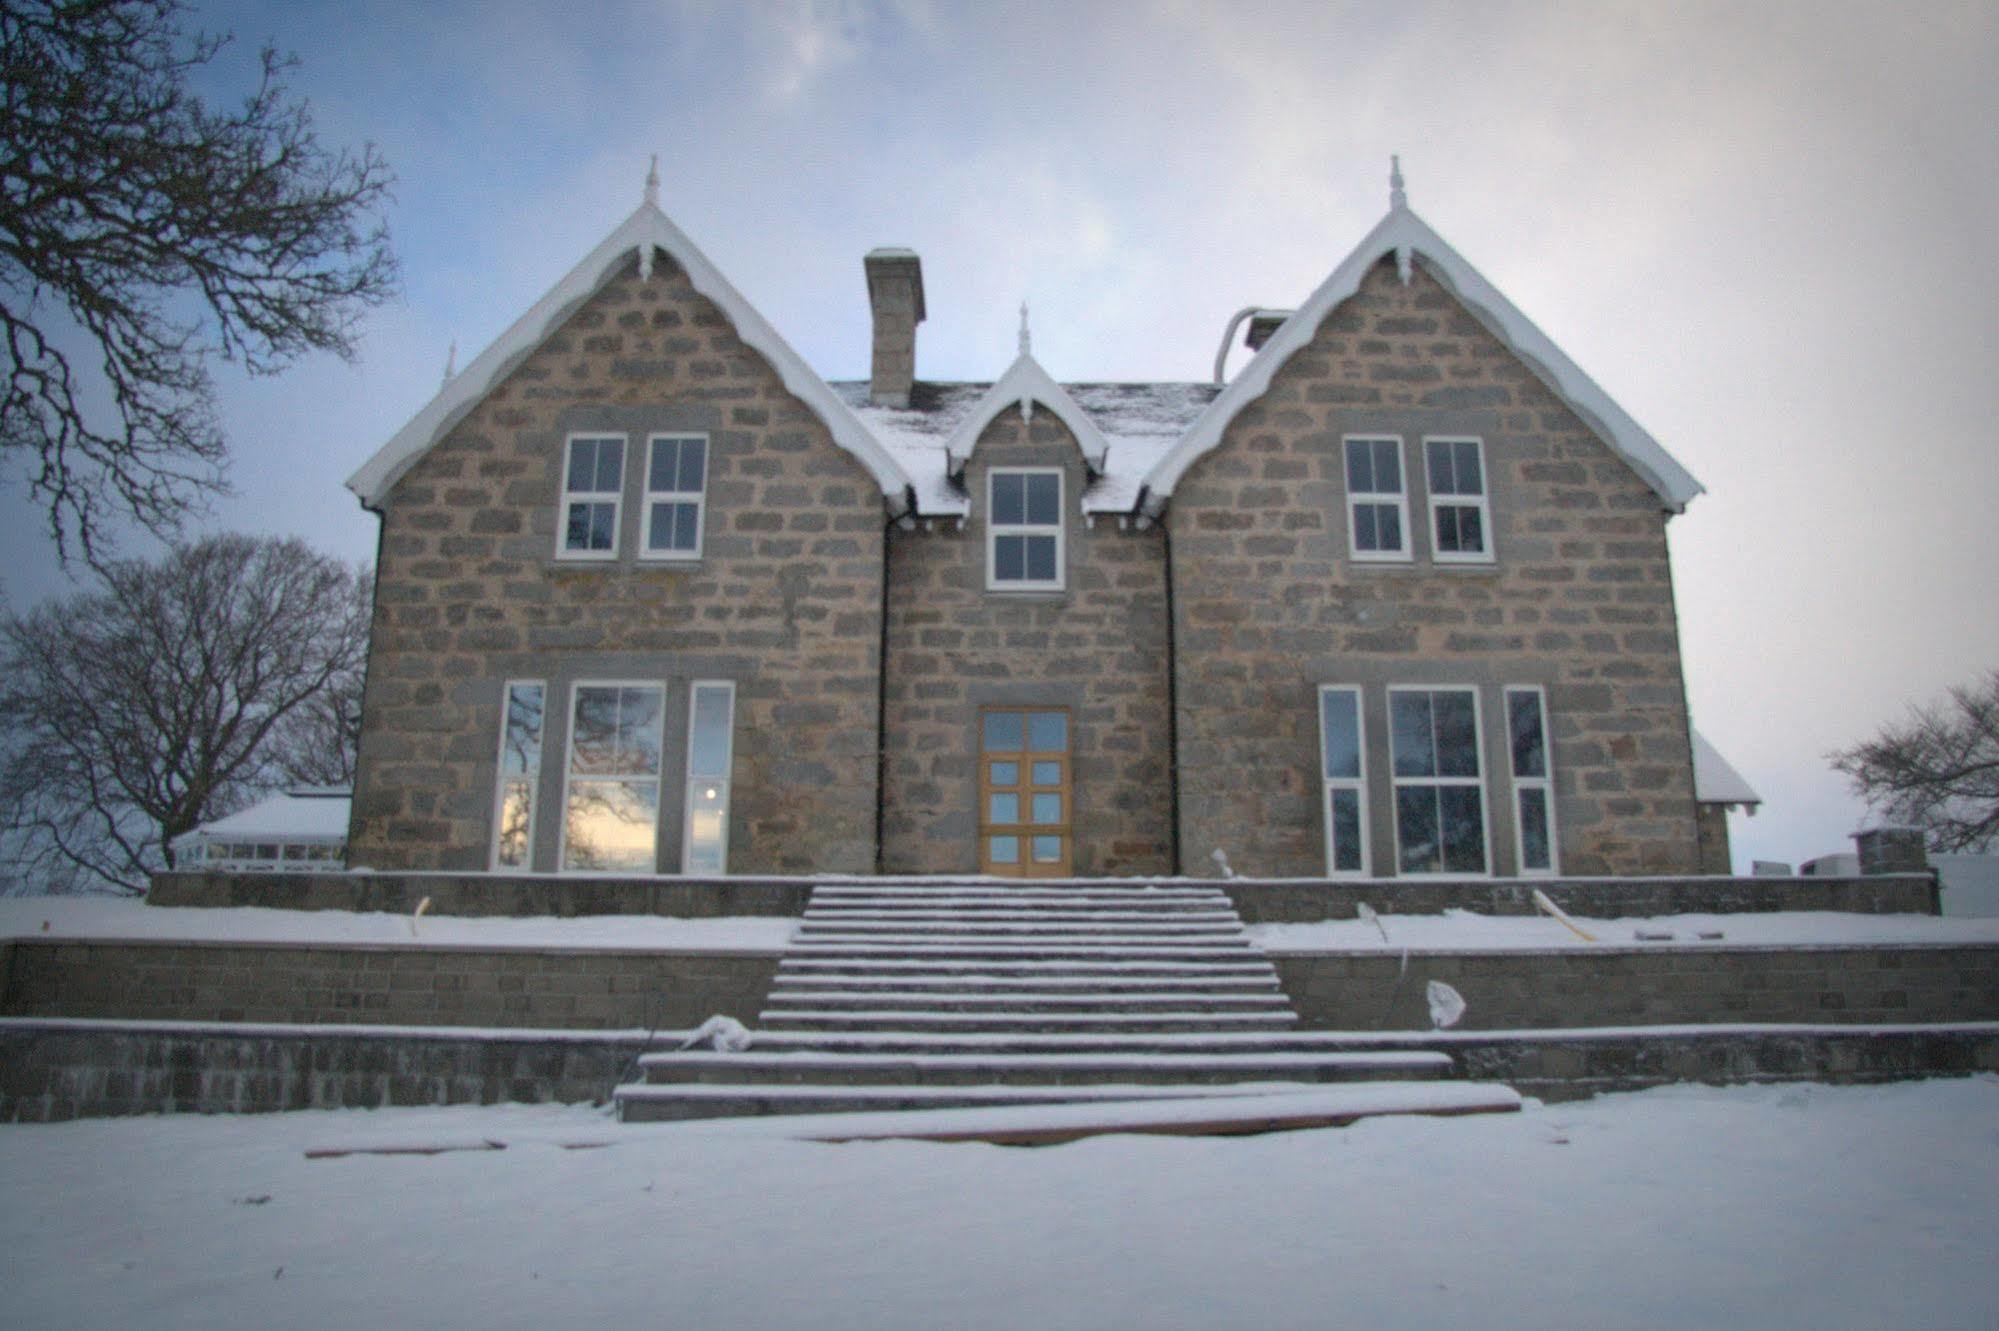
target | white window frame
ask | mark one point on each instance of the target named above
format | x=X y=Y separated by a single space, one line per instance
x=699 y=498
x=727 y=780
x=569 y=766
x=994 y=531
x=1478 y=782
x=1398 y=498
x=533 y=777
x=616 y=499
x=1545 y=783
x=1481 y=501
x=1356 y=783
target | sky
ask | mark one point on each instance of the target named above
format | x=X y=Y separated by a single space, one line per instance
x=1764 y=229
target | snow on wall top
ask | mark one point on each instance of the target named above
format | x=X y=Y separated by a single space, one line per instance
x=1716 y=782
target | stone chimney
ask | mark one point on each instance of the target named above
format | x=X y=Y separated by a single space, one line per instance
x=895 y=293
x=1890 y=849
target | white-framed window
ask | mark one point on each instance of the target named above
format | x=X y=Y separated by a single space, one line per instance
x=1439 y=795
x=711 y=720
x=593 y=488
x=519 y=773
x=1024 y=529
x=1377 y=500
x=676 y=480
x=1460 y=518
x=610 y=802
x=1533 y=779
x=1343 y=763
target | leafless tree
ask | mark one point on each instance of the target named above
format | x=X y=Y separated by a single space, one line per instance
x=143 y=234
x=133 y=713
x=1939 y=770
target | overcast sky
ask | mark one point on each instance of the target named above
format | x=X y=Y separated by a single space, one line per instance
x=1766 y=230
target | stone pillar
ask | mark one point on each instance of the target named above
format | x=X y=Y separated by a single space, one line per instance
x=1891 y=850
x=895 y=294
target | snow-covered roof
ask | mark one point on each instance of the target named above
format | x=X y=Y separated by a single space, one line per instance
x=303 y=813
x=1410 y=239
x=647 y=230
x=1716 y=782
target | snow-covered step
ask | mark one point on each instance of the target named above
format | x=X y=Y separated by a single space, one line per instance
x=824 y=1019
x=1035 y=1001
x=789 y=983
x=892 y=963
x=1009 y=912
x=813 y=1068
x=642 y=1102
x=1023 y=928
x=1084 y=948
x=1062 y=1042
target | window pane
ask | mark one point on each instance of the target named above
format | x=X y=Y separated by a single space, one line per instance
x=1003 y=849
x=1047 y=731
x=1003 y=732
x=1457 y=733
x=693 y=464
x=1005 y=774
x=1009 y=558
x=708 y=732
x=609 y=825
x=1040 y=558
x=1340 y=715
x=1003 y=809
x=638 y=730
x=1534 y=828
x=1366 y=531
x=1048 y=850
x=576 y=531
x=1438 y=455
x=610 y=465
x=516 y=807
x=707 y=826
x=1463 y=829
x=686 y=527
x=1388 y=527
x=1047 y=774
x=1387 y=466
x=520 y=752
x=1470 y=477
x=1447 y=529
x=1416 y=829
x=593 y=734
x=1471 y=531
x=1346 y=831
x=659 y=527
x=1009 y=500
x=665 y=464
x=582 y=463
x=1044 y=499
x=1529 y=742
x=1047 y=808
x=603 y=535
x=1360 y=466
x=1409 y=725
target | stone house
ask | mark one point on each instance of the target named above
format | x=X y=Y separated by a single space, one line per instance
x=654 y=597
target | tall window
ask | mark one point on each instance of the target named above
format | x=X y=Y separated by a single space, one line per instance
x=593 y=485
x=1460 y=522
x=1341 y=745
x=1023 y=529
x=611 y=810
x=519 y=772
x=1533 y=778
x=1025 y=798
x=1377 y=505
x=711 y=708
x=676 y=477
x=1439 y=802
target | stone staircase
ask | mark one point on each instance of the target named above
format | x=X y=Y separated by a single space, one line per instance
x=896 y=996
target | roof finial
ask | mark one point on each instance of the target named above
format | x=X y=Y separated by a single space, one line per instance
x=1026 y=340
x=1396 y=197
x=652 y=182
x=451 y=362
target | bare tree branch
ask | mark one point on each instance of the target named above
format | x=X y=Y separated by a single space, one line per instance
x=1939 y=770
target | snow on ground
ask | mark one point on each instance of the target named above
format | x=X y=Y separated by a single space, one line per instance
x=125 y=918
x=1464 y=931
x=1773 y=1207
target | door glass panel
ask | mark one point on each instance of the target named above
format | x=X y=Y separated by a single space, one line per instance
x=1047 y=731
x=1048 y=850
x=1003 y=849
x=1003 y=809
x=1047 y=774
x=1015 y=793
x=1003 y=730
x=1006 y=774
x=1047 y=809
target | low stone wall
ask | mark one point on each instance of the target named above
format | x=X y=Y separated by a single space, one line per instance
x=1881 y=983
x=414 y=985
x=1306 y=901
x=486 y=894
x=52 y=1070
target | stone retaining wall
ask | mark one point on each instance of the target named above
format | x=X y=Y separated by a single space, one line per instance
x=1885 y=983
x=1306 y=901
x=486 y=894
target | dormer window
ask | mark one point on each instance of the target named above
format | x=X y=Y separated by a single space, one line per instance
x=676 y=479
x=593 y=485
x=1024 y=529
x=1377 y=505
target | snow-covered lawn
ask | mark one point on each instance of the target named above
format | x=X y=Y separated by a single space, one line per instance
x=1768 y=1207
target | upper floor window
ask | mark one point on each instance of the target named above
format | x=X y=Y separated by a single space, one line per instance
x=1459 y=518
x=676 y=479
x=1377 y=504
x=593 y=486
x=1024 y=529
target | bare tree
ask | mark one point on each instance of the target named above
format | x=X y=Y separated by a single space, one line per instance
x=134 y=713
x=1939 y=770
x=144 y=234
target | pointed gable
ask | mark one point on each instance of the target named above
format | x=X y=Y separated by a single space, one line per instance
x=647 y=231
x=1024 y=384
x=1411 y=240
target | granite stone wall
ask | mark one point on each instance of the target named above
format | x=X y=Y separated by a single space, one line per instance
x=1096 y=647
x=785 y=600
x=1269 y=605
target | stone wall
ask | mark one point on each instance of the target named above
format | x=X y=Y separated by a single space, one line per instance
x=1607 y=986
x=1294 y=902
x=382 y=984
x=1270 y=606
x=785 y=600
x=565 y=895
x=1711 y=829
x=1097 y=647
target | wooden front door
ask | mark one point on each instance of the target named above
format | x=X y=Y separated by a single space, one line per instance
x=1026 y=801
